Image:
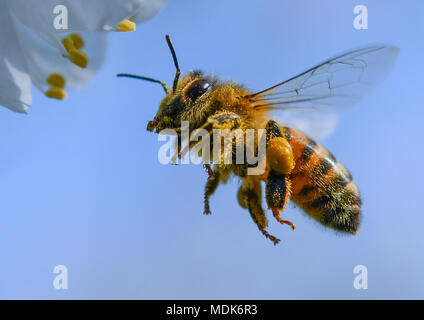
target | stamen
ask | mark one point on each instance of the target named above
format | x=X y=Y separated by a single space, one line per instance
x=56 y=93
x=126 y=25
x=72 y=45
x=78 y=41
x=57 y=82
x=68 y=43
x=79 y=58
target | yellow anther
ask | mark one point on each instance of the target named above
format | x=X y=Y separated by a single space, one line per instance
x=56 y=93
x=78 y=41
x=126 y=25
x=68 y=43
x=79 y=58
x=56 y=80
x=57 y=83
x=72 y=44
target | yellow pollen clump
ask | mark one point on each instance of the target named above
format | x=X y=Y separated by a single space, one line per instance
x=79 y=58
x=78 y=41
x=280 y=155
x=68 y=43
x=57 y=93
x=126 y=25
x=72 y=44
x=57 y=83
x=56 y=80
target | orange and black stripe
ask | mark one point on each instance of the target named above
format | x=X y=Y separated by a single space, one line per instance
x=321 y=185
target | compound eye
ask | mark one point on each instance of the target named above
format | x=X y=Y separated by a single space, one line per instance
x=197 y=89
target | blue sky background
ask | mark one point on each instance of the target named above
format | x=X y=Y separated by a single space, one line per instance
x=81 y=184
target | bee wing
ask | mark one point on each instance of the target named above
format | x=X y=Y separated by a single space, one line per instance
x=318 y=125
x=335 y=84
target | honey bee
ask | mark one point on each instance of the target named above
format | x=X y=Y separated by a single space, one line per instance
x=297 y=167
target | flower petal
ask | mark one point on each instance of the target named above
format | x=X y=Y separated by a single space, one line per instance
x=15 y=83
x=82 y=15
x=44 y=60
x=147 y=10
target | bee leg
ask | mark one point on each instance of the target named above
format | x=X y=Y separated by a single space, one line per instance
x=278 y=194
x=279 y=153
x=280 y=160
x=211 y=185
x=249 y=197
x=177 y=154
x=224 y=120
x=209 y=169
x=221 y=120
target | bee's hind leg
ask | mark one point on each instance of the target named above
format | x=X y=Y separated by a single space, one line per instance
x=278 y=194
x=211 y=185
x=280 y=162
x=249 y=197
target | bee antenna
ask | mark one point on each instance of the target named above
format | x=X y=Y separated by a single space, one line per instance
x=174 y=56
x=163 y=84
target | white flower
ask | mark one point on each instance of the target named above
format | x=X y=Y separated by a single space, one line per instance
x=34 y=51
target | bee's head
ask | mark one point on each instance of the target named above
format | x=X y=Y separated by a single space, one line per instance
x=192 y=89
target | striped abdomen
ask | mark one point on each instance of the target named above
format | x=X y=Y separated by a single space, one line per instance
x=322 y=186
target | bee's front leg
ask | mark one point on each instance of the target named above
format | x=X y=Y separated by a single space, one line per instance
x=280 y=162
x=222 y=120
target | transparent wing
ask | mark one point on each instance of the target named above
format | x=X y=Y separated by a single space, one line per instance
x=317 y=125
x=328 y=87
x=338 y=82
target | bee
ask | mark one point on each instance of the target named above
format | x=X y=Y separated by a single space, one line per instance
x=297 y=167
